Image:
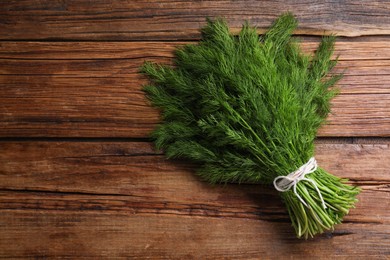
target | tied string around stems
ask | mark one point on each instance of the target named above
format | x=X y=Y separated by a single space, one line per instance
x=284 y=183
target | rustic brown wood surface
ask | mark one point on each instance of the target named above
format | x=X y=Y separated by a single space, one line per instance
x=87 y=89
x=173 y=20
x=122 y=198
x=80 y=179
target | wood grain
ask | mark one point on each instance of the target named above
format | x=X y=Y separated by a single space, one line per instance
x=100 y=234
x=173 y=20
x=85 y=89
x=67 y=194
x=134 y=168
x=78 y=179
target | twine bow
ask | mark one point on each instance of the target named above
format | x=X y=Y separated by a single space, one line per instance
x=284 y=183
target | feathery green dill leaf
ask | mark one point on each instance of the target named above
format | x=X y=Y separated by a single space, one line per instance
x=247 y=109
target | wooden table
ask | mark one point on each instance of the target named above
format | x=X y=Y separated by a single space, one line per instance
x=80 y=178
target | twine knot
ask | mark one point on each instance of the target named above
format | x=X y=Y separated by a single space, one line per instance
x=284 y=183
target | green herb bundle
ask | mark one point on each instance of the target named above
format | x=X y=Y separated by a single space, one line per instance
x=247 y=109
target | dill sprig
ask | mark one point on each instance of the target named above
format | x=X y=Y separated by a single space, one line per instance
x=247 y=109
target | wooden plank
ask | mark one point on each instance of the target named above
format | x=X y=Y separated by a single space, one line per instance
x=134 y=168
x=86 y=89
x=151 y=20
x=129 y=67
x=233 y=203
x=359 y=115
x=100 y=199
x=361 y=48
x=83 y=234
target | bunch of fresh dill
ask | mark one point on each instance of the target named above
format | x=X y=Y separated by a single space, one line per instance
x=247 y=109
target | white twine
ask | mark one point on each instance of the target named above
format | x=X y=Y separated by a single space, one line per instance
x=284 y=183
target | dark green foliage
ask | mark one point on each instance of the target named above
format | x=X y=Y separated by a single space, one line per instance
x=247 y=108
